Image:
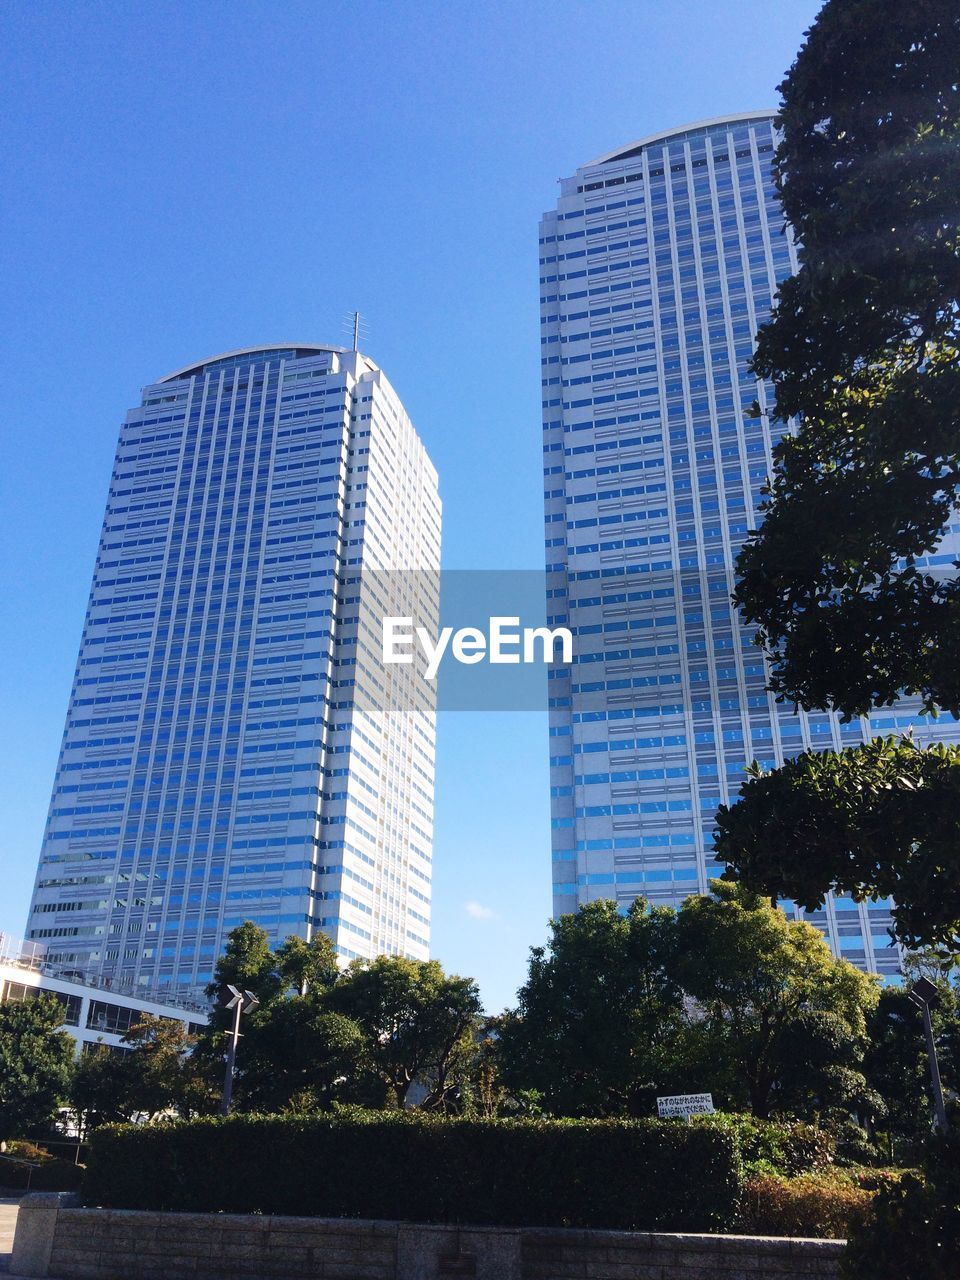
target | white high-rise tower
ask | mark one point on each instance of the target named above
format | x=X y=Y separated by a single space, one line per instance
x=657 y=267
x=231 y=750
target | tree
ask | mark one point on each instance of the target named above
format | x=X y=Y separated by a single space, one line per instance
x=932 y=963
x=295 y=1055
x=418 y=1022
x=36 y=1060
x=726 y=995
x=880 y=820
x=98 y=1088
x=864 y=352
x=295 y=1052
x=485 y=1092
x=153 y=1070
x=768 y=989
x=599 y=1020
x=308 y=966
x=247 y=962
x=155 y=1073
x=896 y=1063
x=822 y=1074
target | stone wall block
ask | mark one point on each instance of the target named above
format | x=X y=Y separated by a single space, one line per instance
x=36 y=1228
x=55 y=1238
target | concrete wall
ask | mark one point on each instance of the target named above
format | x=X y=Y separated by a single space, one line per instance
x=56 y=1239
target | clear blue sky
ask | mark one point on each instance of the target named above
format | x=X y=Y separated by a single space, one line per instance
x=183 y=177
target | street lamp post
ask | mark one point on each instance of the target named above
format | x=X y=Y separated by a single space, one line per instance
x=240 y=1002
x=924 y=994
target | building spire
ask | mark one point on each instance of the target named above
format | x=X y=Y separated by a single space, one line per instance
x=355 y=325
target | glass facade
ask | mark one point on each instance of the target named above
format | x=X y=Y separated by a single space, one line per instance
x=656 y=269
x=226 y=757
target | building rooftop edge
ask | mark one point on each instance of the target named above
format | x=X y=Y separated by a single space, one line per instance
x=249 y=351
x=19 y=956
x=662 y=134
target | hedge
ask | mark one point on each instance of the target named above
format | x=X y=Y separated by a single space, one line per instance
x=629 y=1175
x=913 y=1232
x=785 y=1147
x=826 y=1204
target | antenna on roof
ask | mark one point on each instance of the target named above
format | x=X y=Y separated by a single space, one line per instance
x=356 y=327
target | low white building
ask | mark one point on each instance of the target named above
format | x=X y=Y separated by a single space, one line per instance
x=95 y=1011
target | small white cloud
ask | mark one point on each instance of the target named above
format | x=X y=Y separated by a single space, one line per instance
x=478 y=911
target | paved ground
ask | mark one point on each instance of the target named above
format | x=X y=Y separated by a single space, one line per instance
x=8 y=1221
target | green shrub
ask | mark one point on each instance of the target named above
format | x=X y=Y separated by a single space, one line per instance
x=914 y=1230
x=854 y=1146
x=872 y=1179
x=647 y=1174
x=826 y=1204
x=768 y=1146
x=24 y=1149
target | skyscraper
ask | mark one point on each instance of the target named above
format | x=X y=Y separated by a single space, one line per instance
x=657 y=266
x=231 y=749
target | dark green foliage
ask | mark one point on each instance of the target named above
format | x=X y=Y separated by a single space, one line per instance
x=767 y=1146
x=770 y=996
x=419 y=1023
x=293 y=1051
x=247 y=963
x=881 y=820
x=98 y=1089
x=322 y=1035
x=896 y=1064
x=307 y=966
x=645 y=1175
x=863 y=348
x=295 y=1054
x=36 y=1059
x=822 y=1069
x=156 y=1073
x=600 y=1025
x=725 y=996
x=853 y=1146
x=914 y=1230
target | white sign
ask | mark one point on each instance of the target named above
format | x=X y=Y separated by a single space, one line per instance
x=685 y=1104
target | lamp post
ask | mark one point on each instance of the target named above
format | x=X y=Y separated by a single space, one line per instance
x=924 y=995
x=240 y=1002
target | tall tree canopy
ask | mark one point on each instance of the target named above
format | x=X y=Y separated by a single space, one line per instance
x=296 y=1051
x=420 y=1023
x=36 y=1059
x=600 y=1018
x=771 y=996
x=321 y=1034
x=864 y=351
x=725 y=995
x=155 y=1074
x=877 y=820
x=247 y=962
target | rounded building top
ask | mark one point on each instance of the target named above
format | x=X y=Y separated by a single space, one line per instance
x=289 y=350
x=634 y=148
